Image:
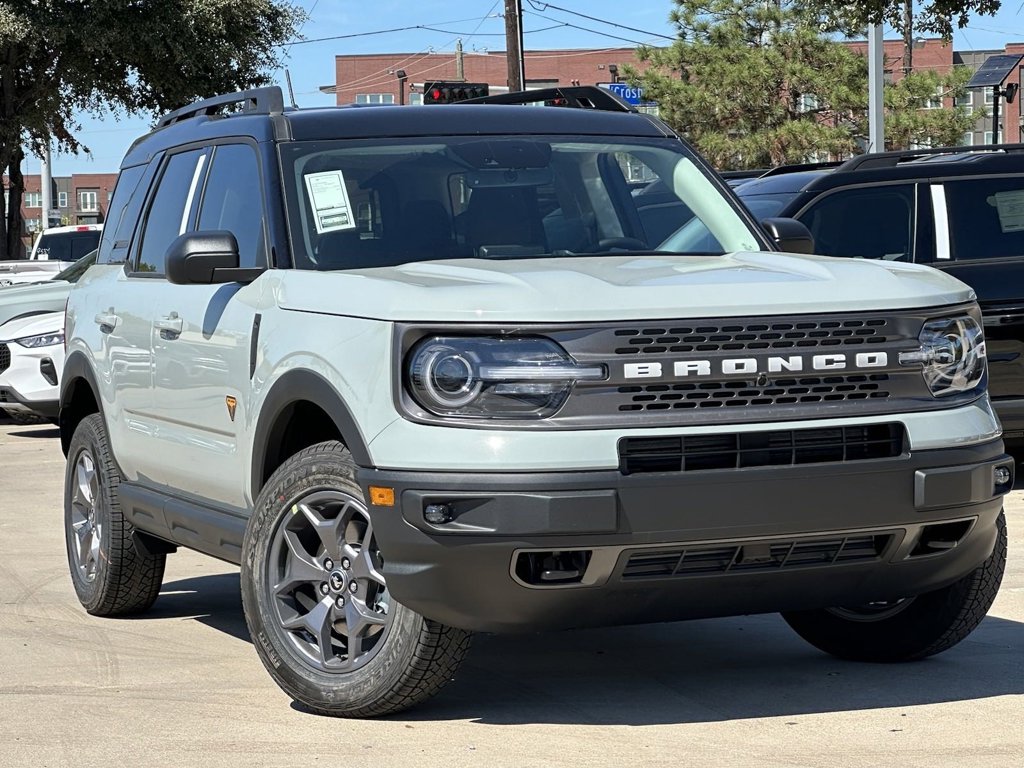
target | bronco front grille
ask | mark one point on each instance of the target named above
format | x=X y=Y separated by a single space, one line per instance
x=5 y=357
x=738 y=450
x=771 y=555
x=738 y=336
x=726 y=394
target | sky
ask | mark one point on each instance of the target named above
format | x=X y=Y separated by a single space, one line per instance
x=479 y=25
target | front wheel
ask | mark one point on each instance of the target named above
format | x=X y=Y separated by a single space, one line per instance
x=911 y=628
x=317 y=602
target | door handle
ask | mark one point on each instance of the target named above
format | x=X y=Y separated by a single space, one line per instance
x=172 y=323
x=107 y=321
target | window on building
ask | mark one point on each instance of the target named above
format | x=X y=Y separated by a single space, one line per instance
x=62 y=199
x=808 y=102
x=33 y=199
x=988 y=137
x=989 y=97
x=967 y=140
x=415 y=98
x=935 y=100
x=88 y=200
x=375 y=98
x=966 y=101
x=32 y=225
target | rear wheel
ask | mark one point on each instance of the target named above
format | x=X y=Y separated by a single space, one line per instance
x=110 y=574
x=317 y=602
x=911 y=628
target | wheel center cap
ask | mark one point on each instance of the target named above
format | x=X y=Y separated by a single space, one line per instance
x=336 y=581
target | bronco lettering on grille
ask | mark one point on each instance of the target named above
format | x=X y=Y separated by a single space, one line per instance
x=745 y=366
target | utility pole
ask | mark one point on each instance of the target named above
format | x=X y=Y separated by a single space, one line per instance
x=45 y=184
x=514 y=45
x=460 y=65
x=876 y=85
x=908 y=37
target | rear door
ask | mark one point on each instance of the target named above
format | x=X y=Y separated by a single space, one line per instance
x=979 y=233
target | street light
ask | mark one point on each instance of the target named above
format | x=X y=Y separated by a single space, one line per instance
x=400 y=74
x=613 y=70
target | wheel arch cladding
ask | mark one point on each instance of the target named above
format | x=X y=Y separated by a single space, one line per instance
x=78 y=397
x=292 y=418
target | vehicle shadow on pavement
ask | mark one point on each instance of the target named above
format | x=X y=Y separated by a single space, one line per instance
x=708 y=671
x=214 y=600
x=685 y=672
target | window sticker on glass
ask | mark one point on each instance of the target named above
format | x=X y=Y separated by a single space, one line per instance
x=331 y=207
x=1010 y=206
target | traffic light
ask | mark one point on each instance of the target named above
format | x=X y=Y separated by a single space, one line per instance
x=449 y=92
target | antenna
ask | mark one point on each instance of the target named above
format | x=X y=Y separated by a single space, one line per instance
x=291 y=91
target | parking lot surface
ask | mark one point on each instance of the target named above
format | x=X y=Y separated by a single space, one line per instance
x=182 y=685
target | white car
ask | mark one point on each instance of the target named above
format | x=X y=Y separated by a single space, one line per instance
x=31 y=362
x=54 y=250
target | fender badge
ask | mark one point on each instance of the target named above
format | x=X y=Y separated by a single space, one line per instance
x=231 y=403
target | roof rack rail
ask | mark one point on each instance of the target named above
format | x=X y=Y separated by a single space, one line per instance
x=781 y=170
x=578 y=97
x=258 y=101
x=745 y=173
x=891 y=159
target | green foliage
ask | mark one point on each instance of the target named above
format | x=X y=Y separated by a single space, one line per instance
x=59 y=57
x=755 y=85
x=938 y=16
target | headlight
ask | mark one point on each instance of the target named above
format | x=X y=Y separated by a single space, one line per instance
x=43 y=340
x=491 y=378
x=952 y=353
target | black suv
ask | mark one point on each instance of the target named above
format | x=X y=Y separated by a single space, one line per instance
x=960 y=210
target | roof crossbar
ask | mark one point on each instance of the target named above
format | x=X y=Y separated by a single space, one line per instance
x=258 y=101
x=578 y=97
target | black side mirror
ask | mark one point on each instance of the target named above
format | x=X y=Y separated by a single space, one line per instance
x=204 y=258
x=790 y=235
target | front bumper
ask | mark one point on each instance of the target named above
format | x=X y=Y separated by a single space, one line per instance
x=675 y=545
x=29 y=383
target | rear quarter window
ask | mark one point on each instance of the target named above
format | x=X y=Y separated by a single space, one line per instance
x=986 y=218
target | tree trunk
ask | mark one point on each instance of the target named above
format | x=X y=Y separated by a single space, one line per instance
x=12 y=245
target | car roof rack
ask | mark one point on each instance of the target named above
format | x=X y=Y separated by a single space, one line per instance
x=745 y=173
x=892 y=159
x=781 y=170
x=258 y=101
x=577 y=97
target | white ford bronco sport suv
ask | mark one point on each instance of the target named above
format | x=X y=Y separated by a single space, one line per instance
x=423 y=371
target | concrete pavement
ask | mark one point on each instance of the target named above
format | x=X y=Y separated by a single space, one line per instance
x=182 y=686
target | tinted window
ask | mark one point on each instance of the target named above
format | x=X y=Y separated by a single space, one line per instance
x=875 y=223
x=115 y=225
x=168 y=215
x=767 y=206
x=986 y=218
x=67 y=246
x=233 y=202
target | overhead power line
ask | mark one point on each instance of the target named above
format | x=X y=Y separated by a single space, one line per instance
x=542 y=7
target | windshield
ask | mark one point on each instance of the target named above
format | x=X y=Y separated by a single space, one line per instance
x=357 y=204
x=67 y=246
x=766 y=206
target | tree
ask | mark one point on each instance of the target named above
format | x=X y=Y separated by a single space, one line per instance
x=63 y=57
x=754 y=84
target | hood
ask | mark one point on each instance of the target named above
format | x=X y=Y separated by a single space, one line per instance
x=597 y=288
x=48 y=322
x=18 y=300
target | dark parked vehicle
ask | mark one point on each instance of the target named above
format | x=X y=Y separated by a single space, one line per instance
x=960 y=210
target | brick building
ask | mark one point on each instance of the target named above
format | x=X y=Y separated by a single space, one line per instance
x=81 y=198
x=372 y=78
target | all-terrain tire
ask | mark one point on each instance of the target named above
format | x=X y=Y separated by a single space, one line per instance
x=111 y=576
x=309 y=505
x=913 y=629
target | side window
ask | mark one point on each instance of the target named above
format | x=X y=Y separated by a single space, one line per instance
x=114 y=226
x=169 y=212
x=233 y=201
x=876 y=223
x=986 y=218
